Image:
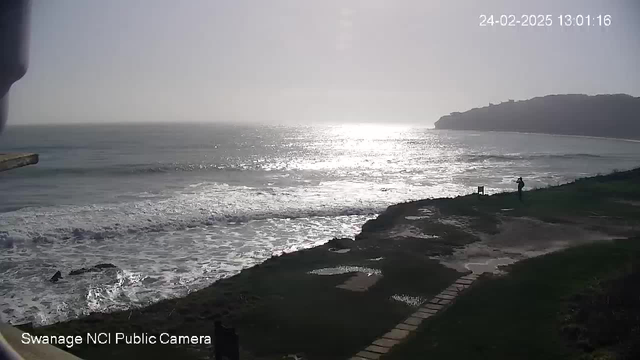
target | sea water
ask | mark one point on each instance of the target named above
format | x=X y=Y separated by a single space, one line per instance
x=176 y=207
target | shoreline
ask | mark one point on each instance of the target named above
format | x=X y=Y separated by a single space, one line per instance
x=280 y=307
x=633 y=140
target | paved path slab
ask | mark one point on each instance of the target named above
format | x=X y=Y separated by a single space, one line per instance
x=377 y=349
x=413 y=320
x=405 y=326
x=385 y=342
x=445 y=297
x=403 y=330
x=369 y=355
x=420 y=314
x=396 y=334
x=433 y=306
x=464 y=281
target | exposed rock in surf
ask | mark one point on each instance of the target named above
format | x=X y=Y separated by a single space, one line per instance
x=105 y=266
x=96 y=268
x=77 y=234
x=57 y=276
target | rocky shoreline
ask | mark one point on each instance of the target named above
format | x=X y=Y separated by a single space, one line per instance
x=314 y=302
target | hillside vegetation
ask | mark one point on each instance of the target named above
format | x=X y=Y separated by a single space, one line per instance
x=601 y=115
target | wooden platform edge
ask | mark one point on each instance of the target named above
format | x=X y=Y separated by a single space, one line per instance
x=13 y=161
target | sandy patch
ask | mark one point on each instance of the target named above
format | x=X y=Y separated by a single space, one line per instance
x=518 y=238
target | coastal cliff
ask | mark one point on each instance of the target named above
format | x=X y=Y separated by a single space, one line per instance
x=615 y=116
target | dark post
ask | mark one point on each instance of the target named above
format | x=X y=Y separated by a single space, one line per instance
x=226 y=343
x=14 y=36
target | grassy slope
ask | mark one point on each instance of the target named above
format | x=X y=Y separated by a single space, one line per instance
x=518 y=316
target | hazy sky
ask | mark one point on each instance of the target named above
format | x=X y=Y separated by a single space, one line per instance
x=311 y=60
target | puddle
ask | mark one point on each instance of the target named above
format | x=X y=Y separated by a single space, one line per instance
x=410 y=232
x=518 y=239
x=339 y=251
x=346 y=269
x=427 y=211
x=360 y=282
x=416 y=217
x=376 y=259
x=414 y=301
x=628 y=202
x=480 y=257
x=294 y=357
x=457 y=221
x=490 y=265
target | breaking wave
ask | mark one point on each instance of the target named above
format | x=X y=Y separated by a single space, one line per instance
x=137 y=169
x=217 y=204
x=518 y=157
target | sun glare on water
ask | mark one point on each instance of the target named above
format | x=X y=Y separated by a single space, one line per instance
x=368 y=132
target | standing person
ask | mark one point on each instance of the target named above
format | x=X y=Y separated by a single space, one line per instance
x=520 y=183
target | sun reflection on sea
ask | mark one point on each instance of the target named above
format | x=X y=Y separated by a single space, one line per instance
x=368 y=132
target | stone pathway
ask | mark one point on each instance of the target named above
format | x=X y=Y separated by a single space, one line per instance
x=398 y=334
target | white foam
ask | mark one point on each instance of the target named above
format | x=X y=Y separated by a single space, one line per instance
x=152 y=265
x=414 y=301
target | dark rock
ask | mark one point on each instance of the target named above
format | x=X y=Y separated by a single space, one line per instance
x=96 y=268
x=77 y=234
x=57 y=276
x=105 y=266
x=78 y=271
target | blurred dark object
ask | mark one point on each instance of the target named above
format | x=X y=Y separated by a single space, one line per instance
x=12 y=161
x=14 y=54
x=226 y=343
x=57 y=276
x=480 y=190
